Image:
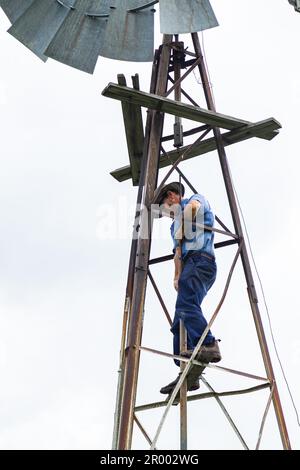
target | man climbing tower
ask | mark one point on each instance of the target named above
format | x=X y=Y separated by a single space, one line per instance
x=195 y=272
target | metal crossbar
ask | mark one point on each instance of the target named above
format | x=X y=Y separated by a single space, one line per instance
x=210 y=366
x=204 y=396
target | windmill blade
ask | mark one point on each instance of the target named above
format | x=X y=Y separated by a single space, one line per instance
x=129 y=34
x=76 y=32
x=40 y=22
x=15 y=8
x=78 y=41
x=296 y=4
x=186 y=16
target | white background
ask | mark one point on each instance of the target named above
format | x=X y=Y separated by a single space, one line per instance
x=62 y=278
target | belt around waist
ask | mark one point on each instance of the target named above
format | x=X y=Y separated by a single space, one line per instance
x=199 y=253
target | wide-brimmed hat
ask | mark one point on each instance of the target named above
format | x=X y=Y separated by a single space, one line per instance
x=174 y=186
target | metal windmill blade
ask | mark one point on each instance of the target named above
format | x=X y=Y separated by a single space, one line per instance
x=36 y=27
x=76 y=32
x=130 y=32
x=14 y=9
x=80 y=38
x=186 y=16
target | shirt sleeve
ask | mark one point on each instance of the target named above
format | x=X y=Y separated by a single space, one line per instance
x=199 y=198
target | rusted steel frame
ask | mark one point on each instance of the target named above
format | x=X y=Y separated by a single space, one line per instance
x=261 y=429
x=203 y=396
x=129 y=287
x=120 y=375
x=244 y=254
x=176 y=48
x=160 y=297
x=213 y=229
x=184 y=92
x=226 y=413
x=186 y=152
x=210 y=366
x=135 y=325
x=222 y=224
x=163 y=259
x=142 y=429
x=275 y=398
x=184 y=76
x=178 y=130
x=226 y=243
x=187 y=63
x=178 y=170
x=192 y=187
x=216 y=230
x=197 y=348
x=194 y=131
x=130 y=275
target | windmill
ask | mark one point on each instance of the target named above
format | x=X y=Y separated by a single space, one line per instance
x=76 y=33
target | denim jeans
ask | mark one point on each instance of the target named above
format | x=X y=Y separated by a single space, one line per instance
x=197 y=277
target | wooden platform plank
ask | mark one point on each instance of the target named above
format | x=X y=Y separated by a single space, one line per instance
x=266 y=128
x=175 y=108
x=134 y=129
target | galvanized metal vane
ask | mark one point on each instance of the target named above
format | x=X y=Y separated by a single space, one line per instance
x=76 y=32
x=79 y=40
x=296 y=4
x=129 y=33
x=38 y=25
x=186 y=16
x=14 y=9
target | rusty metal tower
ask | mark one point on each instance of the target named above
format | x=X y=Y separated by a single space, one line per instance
x=172 y=57
x=76 y=32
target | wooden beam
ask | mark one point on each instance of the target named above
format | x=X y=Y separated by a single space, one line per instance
x=165 y=105
x=134 y=129
x=266 y=128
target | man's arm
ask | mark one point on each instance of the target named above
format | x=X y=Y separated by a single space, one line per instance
x=189 y=214
x=178 y=263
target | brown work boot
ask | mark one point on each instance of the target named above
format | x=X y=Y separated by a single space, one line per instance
x=191 y=386
x=208 y=353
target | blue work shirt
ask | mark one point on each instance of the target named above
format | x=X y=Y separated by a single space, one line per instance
x=198 y=238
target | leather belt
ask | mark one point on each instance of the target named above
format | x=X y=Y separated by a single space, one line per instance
x=199 y=253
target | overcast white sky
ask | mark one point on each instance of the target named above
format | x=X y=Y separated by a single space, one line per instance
x=62 y=283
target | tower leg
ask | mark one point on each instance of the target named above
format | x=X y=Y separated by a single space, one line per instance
x=132 y=352
x=131 y=269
